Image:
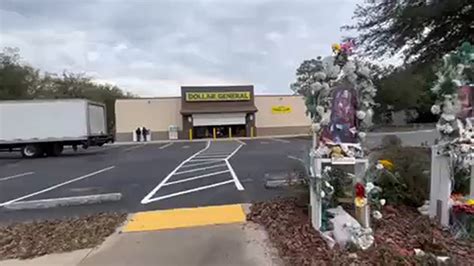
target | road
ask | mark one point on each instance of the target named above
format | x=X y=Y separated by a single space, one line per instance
x=159 y=176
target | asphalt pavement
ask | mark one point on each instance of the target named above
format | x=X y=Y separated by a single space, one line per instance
x=157 y=176
x=149 y=176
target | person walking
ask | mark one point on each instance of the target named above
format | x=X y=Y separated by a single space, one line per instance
x=138 y=133
x=144 y=133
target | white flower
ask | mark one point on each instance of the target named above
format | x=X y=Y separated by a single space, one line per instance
x=465 y=148
x=316 y=86
x=448 y=129
x=327 y=169
x=316 y=127
x=370 y=112
x=435 y=109
x=379 y=166
x=323 y=194
x=377 y=215
x=382 y=202
x=362 y=135
x=326 y=183
x=319 y=109
x=448 y=117
x=361 y=114
x=369 y=186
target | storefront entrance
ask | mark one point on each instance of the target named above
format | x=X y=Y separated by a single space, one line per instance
x=227 y=131
x=218 y=111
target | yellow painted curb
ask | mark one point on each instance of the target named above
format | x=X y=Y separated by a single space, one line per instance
x=189 y=217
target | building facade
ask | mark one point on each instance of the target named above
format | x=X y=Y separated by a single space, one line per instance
x=212 y=112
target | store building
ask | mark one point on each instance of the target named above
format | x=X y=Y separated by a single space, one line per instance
x=212 y=112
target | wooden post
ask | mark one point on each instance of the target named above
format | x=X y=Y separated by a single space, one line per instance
x=230 y=132
x=471 y=191
x=190 y=134
x=440 y=189
x=214 y=133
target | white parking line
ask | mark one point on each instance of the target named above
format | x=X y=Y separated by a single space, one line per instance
x=295 y=158
x=215 y=153
x=15 y=176
x=281 y=140
x=58 y=185
x=134 y=147
x=241 y=142
x=195 y=177
x=199 y=169
x=200 y=163
x=204 y=160
x=212 y=156
x=191 y=190
x=166 y=145
x=232 y=172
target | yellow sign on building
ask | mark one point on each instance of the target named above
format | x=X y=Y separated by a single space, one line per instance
x=218 y=96
x=281 y=109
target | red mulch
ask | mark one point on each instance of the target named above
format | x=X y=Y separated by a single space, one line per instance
x=396 y=235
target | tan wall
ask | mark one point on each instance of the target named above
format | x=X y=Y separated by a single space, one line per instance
x=154 y=114
x=266 y=119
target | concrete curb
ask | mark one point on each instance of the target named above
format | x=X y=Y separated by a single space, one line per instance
x=58 y=202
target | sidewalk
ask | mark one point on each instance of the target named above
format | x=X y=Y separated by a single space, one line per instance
x=148 y=240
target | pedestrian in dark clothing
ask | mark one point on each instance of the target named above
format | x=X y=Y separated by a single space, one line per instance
x=138 y=133
x=144 y=133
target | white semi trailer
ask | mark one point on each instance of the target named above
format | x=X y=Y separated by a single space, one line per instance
x=43 y=127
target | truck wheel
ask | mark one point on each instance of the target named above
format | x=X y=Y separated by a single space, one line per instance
x=54 y=149
x=31 y=151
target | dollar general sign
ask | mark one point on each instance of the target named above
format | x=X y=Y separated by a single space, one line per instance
x=217 y=96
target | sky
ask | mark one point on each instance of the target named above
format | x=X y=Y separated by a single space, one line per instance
x=153 y=47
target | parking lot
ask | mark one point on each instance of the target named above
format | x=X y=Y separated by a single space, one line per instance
x=149 y=176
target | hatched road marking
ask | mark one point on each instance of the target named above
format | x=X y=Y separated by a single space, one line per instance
x=203 y=160
x=187 y=217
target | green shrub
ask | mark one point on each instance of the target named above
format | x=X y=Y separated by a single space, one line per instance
x=411 y=165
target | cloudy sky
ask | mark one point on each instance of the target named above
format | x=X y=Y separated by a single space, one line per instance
x=152 y=47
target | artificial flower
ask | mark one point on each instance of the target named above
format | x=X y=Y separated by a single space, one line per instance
x=319 y=109
x=379 y=166
x=360 y=201
x=470 y=202
x=448 y=117
x=369 y=186
x=435 y=109
x=359 y=190
x=382 y=202
x=448 y=129
x=316 y=127
x=336 y=47
x=377 y=215
x=323 y=194
x=361 y=114
x=387 y=164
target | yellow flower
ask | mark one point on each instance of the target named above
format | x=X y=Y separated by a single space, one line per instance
x=470 y=202
x=360 y=202
x=387 y=164
x=336 y=47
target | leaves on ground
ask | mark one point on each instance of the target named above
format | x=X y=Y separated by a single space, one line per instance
x=396 y=236
x=32 y=239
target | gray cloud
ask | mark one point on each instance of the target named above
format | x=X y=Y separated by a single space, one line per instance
x=153 y=47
